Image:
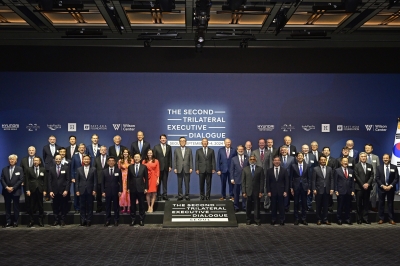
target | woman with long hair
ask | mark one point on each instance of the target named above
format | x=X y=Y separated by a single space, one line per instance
x=123 y=164
x=153 y=168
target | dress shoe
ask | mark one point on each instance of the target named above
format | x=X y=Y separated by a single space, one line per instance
x=116 y=223
x=132 y=223
x=359 y=222
x=159 y=198
x=201 y=198
x=296 y=222
x=281 y=223
x=367 y=222
x=6 y=225
x=272 y=222
x=339 y=222
x=248 y=222
x=207 y=198
x=222 y=198
x=107 y=224
x=327 y=223
x=62 y=223
x=98 y=211
x=318 y=222
x=374 y=209
x=380 y=222
x=15 y=225
x=310 y=210
x=349 y=222
x=88 y=224
x=55 y=223
x=304 y=222
x=180 y=198
x=141 y=223
x=258 y=223
x=392 y=222
x=165 y=198
x=330 y=210
x=187 y=198
x=76 y=211
x=82 y=224
x=286 y=210
x=41 y=224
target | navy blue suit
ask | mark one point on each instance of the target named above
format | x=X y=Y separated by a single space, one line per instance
x=235 y=171
x=323 y=186
x=223 y=165
x=300 y=183
x=112 y=185
x=85 y=186
x=48 y=156
x=76 y=162
x=89 y=151
x=15 y=182
x=137 y=184
x=277 y=187
x=344 y=186
x=58 y=183
x=381 y=181
x=355 y=156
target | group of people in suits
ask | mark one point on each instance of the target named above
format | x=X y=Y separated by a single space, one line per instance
x=272 y=174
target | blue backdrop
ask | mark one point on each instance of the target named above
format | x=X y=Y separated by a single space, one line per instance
x=239 y=106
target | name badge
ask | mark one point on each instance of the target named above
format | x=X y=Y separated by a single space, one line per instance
x=41 y=174
x=17 y=173
x=116 y=174
x=374 y=161
x=63 y=172
x=350 y=164
x=368 y=169
x=350 y=175
x=65 y=162
x=311 y=161
x=293 y=152
x=391 y=170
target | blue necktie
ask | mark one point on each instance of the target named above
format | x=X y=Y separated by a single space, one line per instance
x=387 y=174
x=140 y=146
x=301 y=169
x=137 y=169
x=284 y=161
x=252 y=170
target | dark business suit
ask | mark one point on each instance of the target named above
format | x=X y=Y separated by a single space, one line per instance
x=182 y=164
x=36 y=184
x=265 y=164
x=292 y=151
x=25 y=164
x=235 y=171
x=344 y=186
x=312 y=162
x=15 y=182
x=253 y=185
x=289 y=161
x=98 y=164
x=362 y=195
x=300 y=183
x=136 y=184
x=165 y=163
x=382 y=180
x=205 y=164
x=68 y=154
x=355 y=155
x=317 y=155
x=112 y=185
x=112 y=151
x=351 y=161
x=86 y=186
x=323 y=186
x=48 y=157
x=277 y=186
x=90 y=152
x=223 y=164
x=76 y=162
x=135 y=149
x=58 y=183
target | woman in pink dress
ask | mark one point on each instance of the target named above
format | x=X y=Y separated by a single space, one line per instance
x=153 y=168
x=123 y=164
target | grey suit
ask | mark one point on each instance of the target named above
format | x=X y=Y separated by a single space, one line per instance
x=266 y=164
x=374 y=192
x=205 y=164
x=182 y=165
x=253 y=185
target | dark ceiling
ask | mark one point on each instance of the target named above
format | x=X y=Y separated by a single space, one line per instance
x=321 y=23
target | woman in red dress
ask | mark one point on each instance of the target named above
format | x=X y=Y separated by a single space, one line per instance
x=153 y=168
x=123 y=164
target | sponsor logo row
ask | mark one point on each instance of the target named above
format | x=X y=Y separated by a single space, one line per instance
x=324 y=128
x=71 y=127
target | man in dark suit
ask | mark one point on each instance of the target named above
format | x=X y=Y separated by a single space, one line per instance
x=315 y=151
x=140 y=146
x=286 y=161
x=72 y=148
x=93 y=150
x=248 y=148
x=387 y=177
x=224 y=158
x=273 y=151
x=59 y=183
x=263 y=158
x=183 y=167
x=26 y=163
x=310 y=159
x=205 y=167
x=86 y=186
x=364 y=174
x=67 y=163
x=374 y=161
x=277 y=186
x=291 y=149
x=12 y=177
x=238 y=163
x=353 y=153
x=332 y=163
x=100 y=163
x=300 y=176
x=138 y=184
x=163 y=153
x=253 y=189
x=116 y=149
x=36 y=187
x=49 y=152
x=345 y=154
x=322 y=186
x=111 y=188
x=77 y=162
x=344 y=190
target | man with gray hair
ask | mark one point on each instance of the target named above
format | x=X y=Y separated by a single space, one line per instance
x=12 y=177
x=364 y=174
x=314 y=150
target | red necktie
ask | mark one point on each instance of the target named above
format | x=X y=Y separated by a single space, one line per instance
x=345 y=173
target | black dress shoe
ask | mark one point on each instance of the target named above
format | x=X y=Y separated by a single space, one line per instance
x=187 y=198
x=207 y=198
x=180 y=198
x=132 y=223
x=6 y=225
x=116 y=223
x=76 y=211
x=318 y=222
x=281 y=223
x=15 y=225
x=310 y=210
x=141 y=223
x=159 y=198
x=62 y=223
x=201 y=198
x=258 y=223
x=41 y=224
x=367 y=222
x=359 y=222
x=165 y=198
x=304 y=222
x=30 y=224
x=349 y=222
x=268 y=210
x=248 y=222
x=327 y=223
x=330 y=210
x=82 y=224
x=296 y=222
x=236 y=210
x=55 y=223
x=88 y=224
x=107 y=224
x=272 y=222
x=339 y=222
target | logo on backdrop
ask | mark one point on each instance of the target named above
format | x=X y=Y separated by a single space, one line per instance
x=54 y=126
x=325 y=127
x=125 y=127
x=287 y=127
x=308 y=127
x=94 y=127
x=32 y=127
x=71 y=127
x=265 y=127
x=10 y=126
x=381 y=128
x=347 y=128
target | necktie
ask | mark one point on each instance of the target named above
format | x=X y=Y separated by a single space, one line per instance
x=137 y=170
x=205 y=152
x=81 y=155
x=102 y=161
x=30 y=161
x=11 y=172
x=276 y=173
x=262 y=156
x=111 y=171
x=117 y=149
x=284 y=161
x=140 y=146
x=36 y=171
x=183 y=152
x=252 y=170
x=323 y=171
x=301 y=169
x=163 y=149
x=363 y=165
x=58 y=170
x=315 y=153
x=369 y=158
x=248 y=153
x=72 y=151
x=227 y=153
x=52 y=149
x=387 y=175
x=94 y=150
x=345 y=173
x=305 y=155
x=241 y=161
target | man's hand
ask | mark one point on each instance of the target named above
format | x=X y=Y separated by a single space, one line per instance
x=44 y=193
x=158 y=181
x=73 y=180
x=260 y=195
x=330 y=192
x=190 y=170
x=65 y=193
x=104 y=194
x=51 y=195
x=365 y=186
x=94 y=193
x=145 y=191
x=219 y=173
x=10 y=189
x=337 y=193
x=213 y=171
x=269 y=194
x=77 y=193
x=352 y=193
x=232 y=181
x=169 y=169
x=119 y=194
x=292 y=191
x=175 y=171
x=28 y=193
x=315 y=192
x=244 y=195
x=308 y=192
x=197 y=171
x=285 y=194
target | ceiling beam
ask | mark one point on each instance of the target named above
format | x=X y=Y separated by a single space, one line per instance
x=15 y=8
